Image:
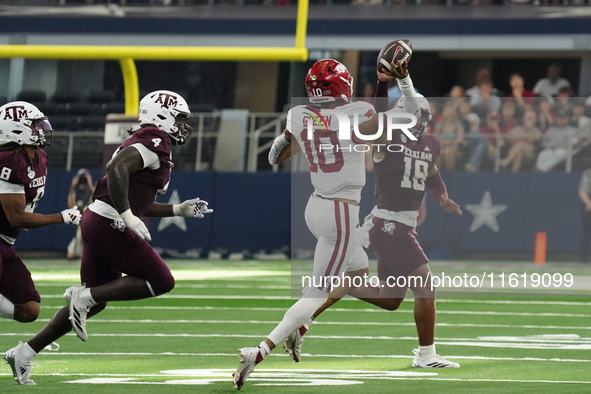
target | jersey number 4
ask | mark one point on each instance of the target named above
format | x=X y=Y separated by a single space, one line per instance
x=415 y=181
x=315 y=149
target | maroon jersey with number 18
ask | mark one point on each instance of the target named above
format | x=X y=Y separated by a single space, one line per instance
x=401 y=176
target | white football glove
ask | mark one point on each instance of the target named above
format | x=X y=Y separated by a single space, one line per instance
x=136 y=225
x=194 y=208
x=71 y=216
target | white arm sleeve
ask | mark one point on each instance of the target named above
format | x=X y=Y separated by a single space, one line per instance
x=411 y=105
x=278 y=145
x=149 y=157
x=406 y=87
x=11 y=188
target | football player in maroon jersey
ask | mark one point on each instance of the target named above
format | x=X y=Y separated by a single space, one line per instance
x=401 y=180
x=23 y=173
x=115 y=238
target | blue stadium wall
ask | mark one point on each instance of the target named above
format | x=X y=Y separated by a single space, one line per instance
x=253 y=211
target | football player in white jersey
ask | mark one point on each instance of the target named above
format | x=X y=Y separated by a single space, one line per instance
x=337 y=170
x=391 y=228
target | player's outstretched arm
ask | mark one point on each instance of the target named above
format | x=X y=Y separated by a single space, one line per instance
x=282 y=148
x=438 y=192
x=194 y=208
x=125 y=163
x=14 y=207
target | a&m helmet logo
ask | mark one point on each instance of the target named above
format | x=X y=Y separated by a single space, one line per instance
x=15 y=113
x=166 y=100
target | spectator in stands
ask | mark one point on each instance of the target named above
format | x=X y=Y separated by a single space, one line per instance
x=367 y=92
x=457 y=92
x=492 y=131
x=523 y=139
x=464 y=109
x=563 y=101
x=522 y=97
x=556 y=143
x=585 y=196
x=550 y=86
x=478 y=144
x=80 y=195
x=450 y=132
x=486 y=97
x=581 y=122
x=482 y=75
x=435 y=116
x=545 y=113
x=457 y=96
x=508 y=116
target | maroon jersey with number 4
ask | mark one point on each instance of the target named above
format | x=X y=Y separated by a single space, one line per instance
x=401 y=176
x=16 y=169
x=146 y=183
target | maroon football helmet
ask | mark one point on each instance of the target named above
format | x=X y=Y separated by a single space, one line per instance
x=329 y=80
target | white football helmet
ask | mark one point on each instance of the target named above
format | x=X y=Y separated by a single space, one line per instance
x=24 y=124
x=169 y=112
x=420 y=108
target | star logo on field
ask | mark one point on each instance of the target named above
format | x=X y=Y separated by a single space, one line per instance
x=178 y=221
x=485 y=213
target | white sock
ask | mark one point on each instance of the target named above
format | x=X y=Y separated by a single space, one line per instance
x=86 y=298
x=298 y=314
x=425 y=351
x=6 y=308
x=265 y=349
x=28 y=352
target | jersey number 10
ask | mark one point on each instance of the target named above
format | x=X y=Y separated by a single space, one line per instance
x=319 y=147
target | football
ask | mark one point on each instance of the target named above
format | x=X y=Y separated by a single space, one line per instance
x=394 y=51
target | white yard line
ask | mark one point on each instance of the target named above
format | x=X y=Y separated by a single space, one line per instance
x=276 y=297
x=365 y=323
x=349 y=310
x=378 y=356
x=546 y=339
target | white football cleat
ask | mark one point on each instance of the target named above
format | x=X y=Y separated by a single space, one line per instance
x=21 y=368
x=432 y=361
x=247 y=357
x=78 y=311
x=293 y=345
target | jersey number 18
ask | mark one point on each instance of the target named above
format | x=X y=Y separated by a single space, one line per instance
x=417 y=181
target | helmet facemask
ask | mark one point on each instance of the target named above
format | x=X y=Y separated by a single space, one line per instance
x=181 y=131
x=40 y=128
x=422 y=123
x=419 y=107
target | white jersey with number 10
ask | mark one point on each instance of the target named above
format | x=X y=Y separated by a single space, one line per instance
x=337 y=167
